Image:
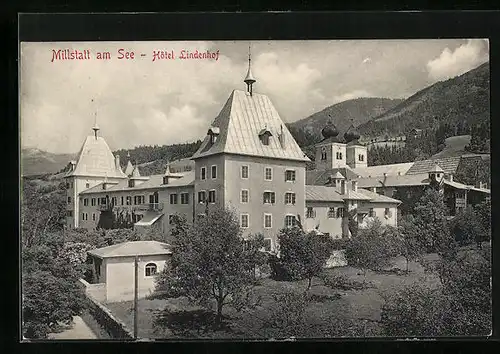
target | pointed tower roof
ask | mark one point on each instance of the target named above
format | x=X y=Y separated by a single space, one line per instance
x=167 y=169
x=129 y=168
x=249 y=79
x=135 y=172
x=240 y=121
x=95 y=159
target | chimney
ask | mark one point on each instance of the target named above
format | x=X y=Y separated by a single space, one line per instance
x=117 y=162
x=399 y=173
x=450 y=177
x=355 y=186
x=342 y=187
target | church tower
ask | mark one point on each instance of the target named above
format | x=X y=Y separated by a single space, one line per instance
x=356 y=154
x=330 y=152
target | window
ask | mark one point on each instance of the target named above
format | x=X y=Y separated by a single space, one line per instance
x=67 y=185
x=289 y=175
x=289 y=220
x=130 y=182
x=87 y=185
x=269 y=197
x=244 y=171
x=202 y=197
x=323 y=154
x=371 y=213
x=268 y=174
x=184 y=198
x=331 y=212
x=170 y=219
x=211 y=196
x=83 y=216
x=203 y=173
x=340 y=212
x=244 y=195
x=93 y=216
x=150 y=269
x=92 y=202
x=268 y=221
x=86 y=202
x=265 y=139
x=129 y=200
x=289 y=198
x=310 y=213
x=113 y=200
x=69 y=213
x=122 y=200
x=267 y=244
x=244 y=221
x=69 y=199
x=387 y=213
x=173 y=198
x=361 y=157
x=214 y=172
x=339 y=155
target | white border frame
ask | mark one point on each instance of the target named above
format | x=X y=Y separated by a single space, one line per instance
x=268 y=227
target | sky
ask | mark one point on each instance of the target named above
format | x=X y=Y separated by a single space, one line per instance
x=144 y=102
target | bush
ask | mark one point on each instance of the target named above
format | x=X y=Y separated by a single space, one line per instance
x=339 y=243
x=343 y=282
x=288 y=312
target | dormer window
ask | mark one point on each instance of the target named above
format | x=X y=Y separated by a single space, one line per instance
x=264 y=136
x=130 y=182
x=213 y=133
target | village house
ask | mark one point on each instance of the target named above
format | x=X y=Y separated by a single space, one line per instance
x=114 y=269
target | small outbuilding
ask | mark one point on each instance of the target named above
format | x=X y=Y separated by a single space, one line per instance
x=114 y=269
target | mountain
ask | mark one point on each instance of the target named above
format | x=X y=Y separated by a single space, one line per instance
x=462 y=100
x=360 y=110
x=39 y=162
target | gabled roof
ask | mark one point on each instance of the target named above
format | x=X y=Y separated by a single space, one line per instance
x=96 y=159
x=240 y=122
x=449 y=165
x=394 y=181
x=322 y=177
x=390 y=170
x=436 y=168
x=133 y=248
x=152 y=182
x=332 y=194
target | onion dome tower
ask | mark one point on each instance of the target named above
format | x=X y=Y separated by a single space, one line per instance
x=330 y=130
x=351 y=135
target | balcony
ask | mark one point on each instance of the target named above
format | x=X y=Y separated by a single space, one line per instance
x=150 y=207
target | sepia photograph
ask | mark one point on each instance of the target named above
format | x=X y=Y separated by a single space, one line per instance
x=275 y=189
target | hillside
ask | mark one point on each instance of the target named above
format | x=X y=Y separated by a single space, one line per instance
x=360 y=110
x=463 y=100
x=38 y=162
x=454 y=146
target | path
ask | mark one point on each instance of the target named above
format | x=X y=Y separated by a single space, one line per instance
x=78 y=330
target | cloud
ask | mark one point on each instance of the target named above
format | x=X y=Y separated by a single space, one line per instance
x=464 y=58
x=351 y=95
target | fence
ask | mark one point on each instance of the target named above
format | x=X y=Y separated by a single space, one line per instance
x=113 y=326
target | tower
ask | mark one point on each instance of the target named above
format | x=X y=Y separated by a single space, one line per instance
x=330 y=152
x=356 y=154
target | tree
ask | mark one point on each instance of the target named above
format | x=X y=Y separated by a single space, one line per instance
x=411 y=247
x=372 y=248
x=47 y=302
x=352 y=223
x=483 y=212
x=466 y=227
x=209 y=264
x=431 y=222
x=459 y=305
x=302 y=255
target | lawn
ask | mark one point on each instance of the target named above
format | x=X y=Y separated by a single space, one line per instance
x=333 y=313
